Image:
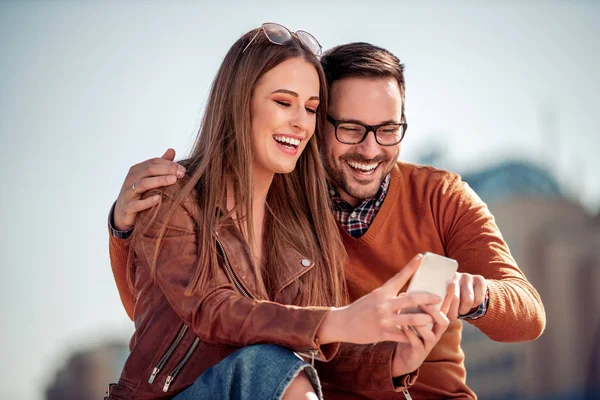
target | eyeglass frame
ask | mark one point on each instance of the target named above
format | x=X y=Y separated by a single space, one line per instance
x=292 y=34
x=368 y=129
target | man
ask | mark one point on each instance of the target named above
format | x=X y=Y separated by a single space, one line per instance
x=387 y=211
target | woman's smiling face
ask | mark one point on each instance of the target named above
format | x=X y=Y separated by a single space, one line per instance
x=283 y=113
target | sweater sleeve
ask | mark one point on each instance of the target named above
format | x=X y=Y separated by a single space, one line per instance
x=118 y=250
x=515 y=312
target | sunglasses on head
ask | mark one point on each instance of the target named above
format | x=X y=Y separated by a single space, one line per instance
x=279 y=34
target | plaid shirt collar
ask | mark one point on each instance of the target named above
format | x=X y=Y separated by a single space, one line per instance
x=356 y=220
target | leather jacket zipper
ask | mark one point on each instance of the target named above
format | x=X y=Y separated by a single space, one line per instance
x=163 y=360
x=229 y=271
x=312 y=354
x=175 y=371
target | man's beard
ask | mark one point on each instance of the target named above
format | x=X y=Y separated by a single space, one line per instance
x=358 y=190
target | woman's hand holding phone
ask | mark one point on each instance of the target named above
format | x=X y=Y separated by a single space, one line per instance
x=375 y=317
x=409 y=355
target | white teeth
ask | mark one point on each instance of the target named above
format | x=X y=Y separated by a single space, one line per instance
x=364 y=167
x=289 y=140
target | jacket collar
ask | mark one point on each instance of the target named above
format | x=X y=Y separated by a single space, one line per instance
x=237 y=254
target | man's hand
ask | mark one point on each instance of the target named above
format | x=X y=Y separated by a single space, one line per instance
x=469 y=293
x=149 y=174
x=409 y=355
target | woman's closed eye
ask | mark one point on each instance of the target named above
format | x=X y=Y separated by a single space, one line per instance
x=282 y=103
x=287 y=104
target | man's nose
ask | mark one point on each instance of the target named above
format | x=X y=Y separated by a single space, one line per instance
x=369 y=148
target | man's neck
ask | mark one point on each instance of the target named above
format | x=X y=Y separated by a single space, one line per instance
x=353 y=201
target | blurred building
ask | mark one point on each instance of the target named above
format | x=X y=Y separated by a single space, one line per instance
x=557 y=245
x=86 y=374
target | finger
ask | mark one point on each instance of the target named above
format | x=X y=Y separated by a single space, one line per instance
x=448 y=299
x=136 y=206
x=408 y=319
x=412 y=337
x=439 y=328
x=138 y=179
x=453 y=309
x=397 y=282
x=154 y=182
x=466 y=294
x=169 y=154
x=479 y=289
x=427 y=337
x=155 y=167
x=412 y=300
x=160 y=166
x=129 y=192
x=440 y=321
x=398 y=334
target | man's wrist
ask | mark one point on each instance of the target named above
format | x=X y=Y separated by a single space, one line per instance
x=114 y=232
x=480 y=311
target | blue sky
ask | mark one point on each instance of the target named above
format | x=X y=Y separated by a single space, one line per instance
x=88 y=88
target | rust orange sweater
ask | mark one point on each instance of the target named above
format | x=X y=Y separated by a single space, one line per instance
x=432 y=210
x=427 y=210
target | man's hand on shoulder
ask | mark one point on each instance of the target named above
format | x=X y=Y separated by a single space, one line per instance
x=147 y=175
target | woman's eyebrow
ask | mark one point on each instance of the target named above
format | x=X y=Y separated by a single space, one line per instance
x=292 y=93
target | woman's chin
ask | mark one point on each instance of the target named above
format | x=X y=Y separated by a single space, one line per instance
x=285 y=169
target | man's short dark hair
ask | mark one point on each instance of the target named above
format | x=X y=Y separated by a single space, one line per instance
x=361 y=59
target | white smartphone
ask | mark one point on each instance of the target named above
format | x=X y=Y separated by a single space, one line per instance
x=433 y=276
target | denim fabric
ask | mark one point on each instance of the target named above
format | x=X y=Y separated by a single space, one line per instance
x=261 y=371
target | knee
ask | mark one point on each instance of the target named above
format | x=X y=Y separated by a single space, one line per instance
x=267 y=369
x=300 y=388
x=261 y=353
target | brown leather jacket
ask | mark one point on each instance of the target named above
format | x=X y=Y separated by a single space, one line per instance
x=178 y=337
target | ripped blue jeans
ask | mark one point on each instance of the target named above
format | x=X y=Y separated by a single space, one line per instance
x=261 y=371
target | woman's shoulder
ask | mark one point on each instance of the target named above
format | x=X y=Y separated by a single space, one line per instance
x=175 y=190
x=178 y=203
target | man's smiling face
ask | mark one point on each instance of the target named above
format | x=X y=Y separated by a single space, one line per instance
x=357 y=170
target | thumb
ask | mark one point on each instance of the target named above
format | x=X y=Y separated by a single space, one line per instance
x=449 y=297
x=397 y=282
x=169 y=155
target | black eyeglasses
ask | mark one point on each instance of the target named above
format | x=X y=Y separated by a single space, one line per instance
x=279 y=34
x=356 y=132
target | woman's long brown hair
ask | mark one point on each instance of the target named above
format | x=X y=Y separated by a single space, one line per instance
x=298 y=208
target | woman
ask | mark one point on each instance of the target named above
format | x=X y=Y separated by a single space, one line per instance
x=243 y=251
